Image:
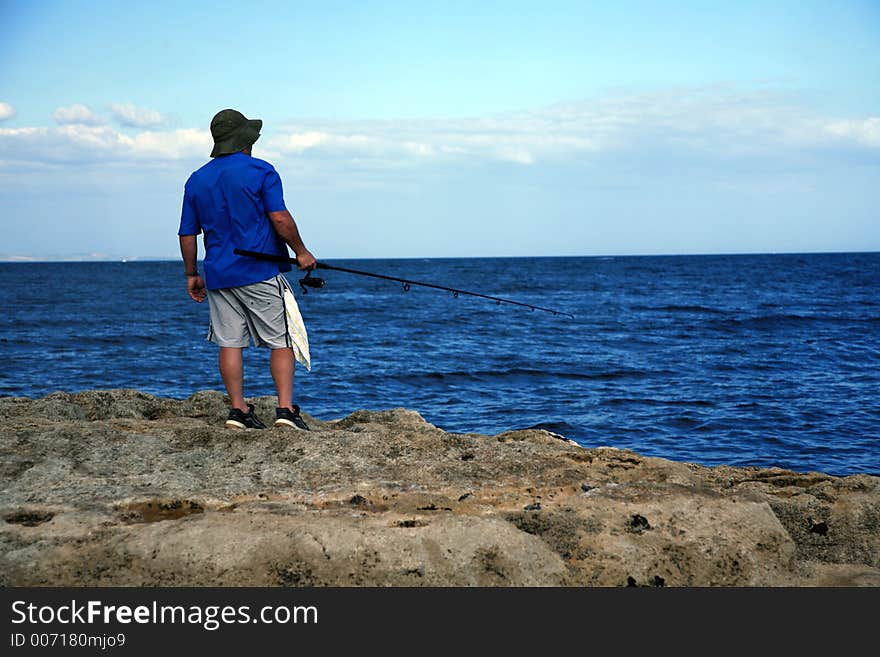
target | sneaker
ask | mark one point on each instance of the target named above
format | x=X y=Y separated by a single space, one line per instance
x=284 y=417
x=238 y=419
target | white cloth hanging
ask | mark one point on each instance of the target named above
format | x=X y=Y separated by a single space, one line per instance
x=297 y=329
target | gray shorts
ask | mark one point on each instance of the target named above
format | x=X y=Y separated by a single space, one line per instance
x=250 y=312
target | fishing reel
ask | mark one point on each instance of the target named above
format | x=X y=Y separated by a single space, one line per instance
x=307 y=281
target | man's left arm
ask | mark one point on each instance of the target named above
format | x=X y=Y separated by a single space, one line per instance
x=282 y=221
x=285 y=226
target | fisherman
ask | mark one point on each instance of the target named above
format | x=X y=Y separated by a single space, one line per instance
x=236 y=200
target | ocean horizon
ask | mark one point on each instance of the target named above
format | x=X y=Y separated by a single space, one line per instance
x=84 y=258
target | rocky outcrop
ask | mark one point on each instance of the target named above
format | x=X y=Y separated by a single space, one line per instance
x=122 y=488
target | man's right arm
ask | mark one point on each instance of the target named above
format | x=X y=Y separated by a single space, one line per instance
x=286 y=227
x=189 y=228
x=195 y=286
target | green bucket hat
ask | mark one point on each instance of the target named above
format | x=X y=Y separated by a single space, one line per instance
x=233 y=131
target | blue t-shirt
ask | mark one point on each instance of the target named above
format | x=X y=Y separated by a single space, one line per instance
x=228 y=199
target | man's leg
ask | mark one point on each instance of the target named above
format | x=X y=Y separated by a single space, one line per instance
x=282 y=364
x=232 y=372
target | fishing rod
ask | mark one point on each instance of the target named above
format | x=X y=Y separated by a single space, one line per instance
x=308 y=281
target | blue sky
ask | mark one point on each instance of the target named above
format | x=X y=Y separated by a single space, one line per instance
x=447 y=129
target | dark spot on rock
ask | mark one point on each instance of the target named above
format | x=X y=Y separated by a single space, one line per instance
x=462 y=498
x=418 y=572
x=358 y=500
x=532 y=507
x=492 y=563
x=428 y=507
x=658 y=581
x=158 y=510
x=586 y=487
x=638 y=524
x=820 y=528
x=630 y=581
x=561 y=530
x=412 y=522
x=29 y=518
x=788 y=478
x=467 y=456
x=296 y=574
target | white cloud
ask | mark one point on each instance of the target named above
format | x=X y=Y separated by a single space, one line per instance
x=300 y=142
x=76 y=114
x=864 y=131
x=173 y=145
x=81 y=143
x=716 y=121
x=689 y=127
x=7 y=111
x=136 y=117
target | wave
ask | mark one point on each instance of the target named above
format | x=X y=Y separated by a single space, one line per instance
x=560 y=427
x=675 y=308
x=519 y=372
x=777 y=320
x=626 y=401
x=94 y=340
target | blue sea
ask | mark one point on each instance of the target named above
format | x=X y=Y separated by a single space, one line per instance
x=767 y=360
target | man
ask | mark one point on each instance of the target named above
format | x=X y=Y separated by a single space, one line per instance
x=236 y=200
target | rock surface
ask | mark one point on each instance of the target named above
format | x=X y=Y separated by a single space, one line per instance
x=118 y=487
